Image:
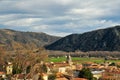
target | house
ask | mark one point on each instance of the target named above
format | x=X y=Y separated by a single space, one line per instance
x=60 y=76
x=28 y=77
x=9 y=68
x=44 y=76
x=87 y=64
x=2 y=75
x=79 y=66
x=97 y=74
x=36 y=76
x=22 y=77
x=18 y=77
x=111 y=74
x=61 y=67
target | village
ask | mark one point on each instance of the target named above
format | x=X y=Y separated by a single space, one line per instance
x=59 y=39
x=66 y=70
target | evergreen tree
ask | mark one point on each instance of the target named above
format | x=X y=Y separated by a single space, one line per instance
x=86 y=73
x=52 y=77
x=43 y=68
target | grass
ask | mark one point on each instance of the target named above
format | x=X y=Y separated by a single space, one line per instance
x=81 y=60
x=96 y=60
x=58 y=59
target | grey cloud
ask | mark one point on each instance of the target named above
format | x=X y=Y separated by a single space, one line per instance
x=59 y=17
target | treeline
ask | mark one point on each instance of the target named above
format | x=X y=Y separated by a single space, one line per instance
x=114 y=54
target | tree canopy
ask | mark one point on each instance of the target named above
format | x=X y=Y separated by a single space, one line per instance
x=86 y=73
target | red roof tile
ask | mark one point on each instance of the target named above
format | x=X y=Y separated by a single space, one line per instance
x=1 y=73
x=79 y=79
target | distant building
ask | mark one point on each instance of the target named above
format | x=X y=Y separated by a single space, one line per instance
x=87 y=64
x=61 y=67
x=111 y=74
x=44 y=76
x=22 y=77
x=9 y=68
x=2 y=75
x=18 y=77
x=97 y=74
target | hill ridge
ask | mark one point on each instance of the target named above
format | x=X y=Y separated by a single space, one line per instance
x=107 y=39
x=10 y=37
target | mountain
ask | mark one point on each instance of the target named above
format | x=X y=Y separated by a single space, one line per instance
x=99 y=40
x=12 y=39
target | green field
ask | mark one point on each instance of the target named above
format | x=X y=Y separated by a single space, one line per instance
x=81 y=60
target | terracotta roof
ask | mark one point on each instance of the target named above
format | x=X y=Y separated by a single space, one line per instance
x=79 y=79
x=43 y=74
x=28 y=76
x=1 y=73
x=19 y=76
x=61 y=79
x=108 y=77
x=113 y=70
x=58 y=75
x=88 y=63
x=61 y=64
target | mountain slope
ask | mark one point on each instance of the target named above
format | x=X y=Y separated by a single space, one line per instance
x=100 y=40
x=10 y=38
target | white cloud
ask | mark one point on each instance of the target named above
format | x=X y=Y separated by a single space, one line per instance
x=22 y=22
x=40 y=27
x=87 y=12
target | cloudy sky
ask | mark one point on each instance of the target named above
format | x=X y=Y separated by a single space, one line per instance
x=59 y=17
